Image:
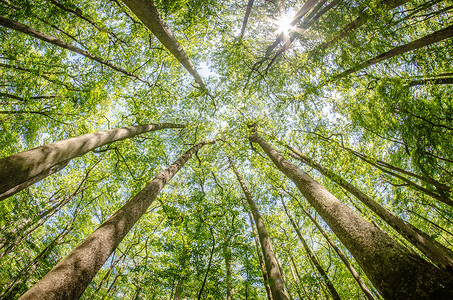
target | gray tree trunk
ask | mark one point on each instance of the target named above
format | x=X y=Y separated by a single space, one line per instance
x=25 y=168
x=273 y=272
x=395 y=271
x=437 y=253
x=432 y=38
x=148 y=14
x=70 y=277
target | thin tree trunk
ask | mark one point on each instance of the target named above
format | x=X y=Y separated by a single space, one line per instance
x=32 y=165
x=50 y=39
x=443 y=189
x=284 y=278
x=391 y=4
x=260 y=256
x=299 y=15
x=333 y=292
x=148 y=14
x=300 y=284
x=432 y=38
x=394 y=270
x=343 y=258
x=228 y=279
x=246 y=17
x=82 y=16
x=438 y=253
x=431 y=81
x=298 y=31
x=296 y=282
x=70 y=277
x=275 y=277
x=200 y=293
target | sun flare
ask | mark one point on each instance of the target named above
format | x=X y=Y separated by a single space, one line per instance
x=284 y=24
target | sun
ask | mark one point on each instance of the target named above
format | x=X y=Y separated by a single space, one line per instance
x=284 y=24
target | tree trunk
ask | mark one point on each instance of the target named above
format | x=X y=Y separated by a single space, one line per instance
x=275 y=277
x=299 y=279
x=32 y=165
x=395 y=271
x=70 y=277
x=260 y=256
x=391 y=4
x=228 y=279
x=148 y=14
x=50 y=39
x=438 y=253
x=200 y=293
x=414 y=45
x=333 y=292
x=343 y=258
x=246 y=17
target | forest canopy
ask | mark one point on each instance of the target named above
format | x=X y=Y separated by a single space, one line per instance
x=253 y=149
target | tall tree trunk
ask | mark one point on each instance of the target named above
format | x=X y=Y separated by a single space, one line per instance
x=385 y=167
x=299 y=279
x=395 y=271
x=228 y=279
x=70 y=277
x=296 y=282
x=200 y=293
x=32 y=165
x=50 y=39
x=275 y=277
x=246 y=17
x=343 y=258
x=333 y=292
x=260 y=256
x=432 y=38
x=148 y=14
x=439 y=254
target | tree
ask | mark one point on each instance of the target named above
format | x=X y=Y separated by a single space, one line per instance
x=22 y=169
x=69 y=278
x=380 y=134
x=366 y=244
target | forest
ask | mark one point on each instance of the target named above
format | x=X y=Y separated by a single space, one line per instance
x=214 y=149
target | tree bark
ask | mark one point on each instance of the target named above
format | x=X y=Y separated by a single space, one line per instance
x=343 y=258
x=200 y=293
x=260 y=256
x=275 y=277
x=437 y=253
x=333 y=292
x=25 y=168
x=70 y=277
x=148 y=14
x=432 y=38
x=395 y=271
x=50 y=39
x=246 y=17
